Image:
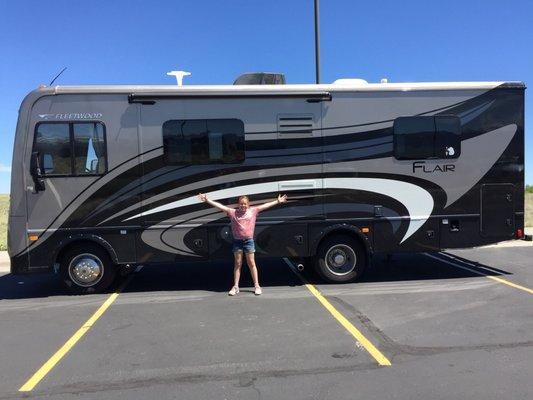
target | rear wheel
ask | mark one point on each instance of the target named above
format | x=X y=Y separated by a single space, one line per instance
x=87 y=268
x=340 y=258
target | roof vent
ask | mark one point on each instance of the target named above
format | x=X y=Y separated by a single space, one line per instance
x=351 y=82
x=260 y=78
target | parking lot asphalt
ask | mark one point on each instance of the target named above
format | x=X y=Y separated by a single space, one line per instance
x=448 y=329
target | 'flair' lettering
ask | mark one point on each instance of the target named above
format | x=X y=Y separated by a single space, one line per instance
x=421 y=166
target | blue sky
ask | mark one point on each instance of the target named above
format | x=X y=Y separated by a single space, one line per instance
x=136 y=42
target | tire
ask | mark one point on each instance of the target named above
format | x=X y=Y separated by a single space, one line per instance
x=87 y=268
x=340 y=259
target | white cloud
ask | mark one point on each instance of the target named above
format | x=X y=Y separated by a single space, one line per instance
x=5 y=168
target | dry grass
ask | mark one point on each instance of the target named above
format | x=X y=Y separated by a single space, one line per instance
x=529 y=209
x=4 y=211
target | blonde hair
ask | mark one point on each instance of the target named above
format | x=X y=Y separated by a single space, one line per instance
x=244 y=198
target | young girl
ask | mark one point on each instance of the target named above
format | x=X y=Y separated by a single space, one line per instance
x=242 y=226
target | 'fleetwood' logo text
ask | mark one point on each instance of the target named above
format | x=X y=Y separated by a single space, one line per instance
x=63 y=116
x=421 y=166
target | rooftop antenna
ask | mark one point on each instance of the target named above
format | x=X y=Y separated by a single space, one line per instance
x=179 y=76
x=57 y=76
x=317 y=43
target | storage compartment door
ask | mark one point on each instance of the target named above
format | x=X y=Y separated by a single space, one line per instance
x=497 y=210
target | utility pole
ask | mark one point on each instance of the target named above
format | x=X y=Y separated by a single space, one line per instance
x=317 y=43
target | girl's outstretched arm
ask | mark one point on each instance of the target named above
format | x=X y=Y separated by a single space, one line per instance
x=222 y=207
x=281 y=199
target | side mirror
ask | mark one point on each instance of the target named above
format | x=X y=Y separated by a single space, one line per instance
x=35 y=171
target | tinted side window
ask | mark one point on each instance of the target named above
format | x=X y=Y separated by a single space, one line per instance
x=52 y=141
x=203 y=141
x=89 y=149
x=71 y=149
x=414 y=137
x=427 y=137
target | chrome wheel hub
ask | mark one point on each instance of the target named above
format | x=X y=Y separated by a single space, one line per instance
x=341 y=259
x=86 y=270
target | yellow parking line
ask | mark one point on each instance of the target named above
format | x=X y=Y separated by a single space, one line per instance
x=494 y=278
x=374 y=352
x=525 y=289
x=69 y=344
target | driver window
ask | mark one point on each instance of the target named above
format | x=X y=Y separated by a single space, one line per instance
x=71 y=149
x=52 y=142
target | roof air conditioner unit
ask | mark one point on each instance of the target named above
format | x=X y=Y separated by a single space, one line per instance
x=260 y=78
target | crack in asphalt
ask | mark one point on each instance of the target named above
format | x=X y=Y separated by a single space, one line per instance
x=245 y=379
x=397 y=349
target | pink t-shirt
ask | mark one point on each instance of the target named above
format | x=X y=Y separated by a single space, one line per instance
x=243 y=223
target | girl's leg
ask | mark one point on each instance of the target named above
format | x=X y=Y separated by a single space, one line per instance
x=237 y=268
x=250 y=260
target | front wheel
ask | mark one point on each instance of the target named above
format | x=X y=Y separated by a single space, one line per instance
x=340 y=259
x=87 y=268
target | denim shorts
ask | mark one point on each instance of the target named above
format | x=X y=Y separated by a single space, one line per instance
x=245 y=245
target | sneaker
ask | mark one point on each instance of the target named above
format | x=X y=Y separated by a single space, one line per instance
x=258 y=291
x=234 y=290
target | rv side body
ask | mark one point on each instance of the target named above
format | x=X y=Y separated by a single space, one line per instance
x=332 y=150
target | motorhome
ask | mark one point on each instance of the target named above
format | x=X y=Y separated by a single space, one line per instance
x=106 y=177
